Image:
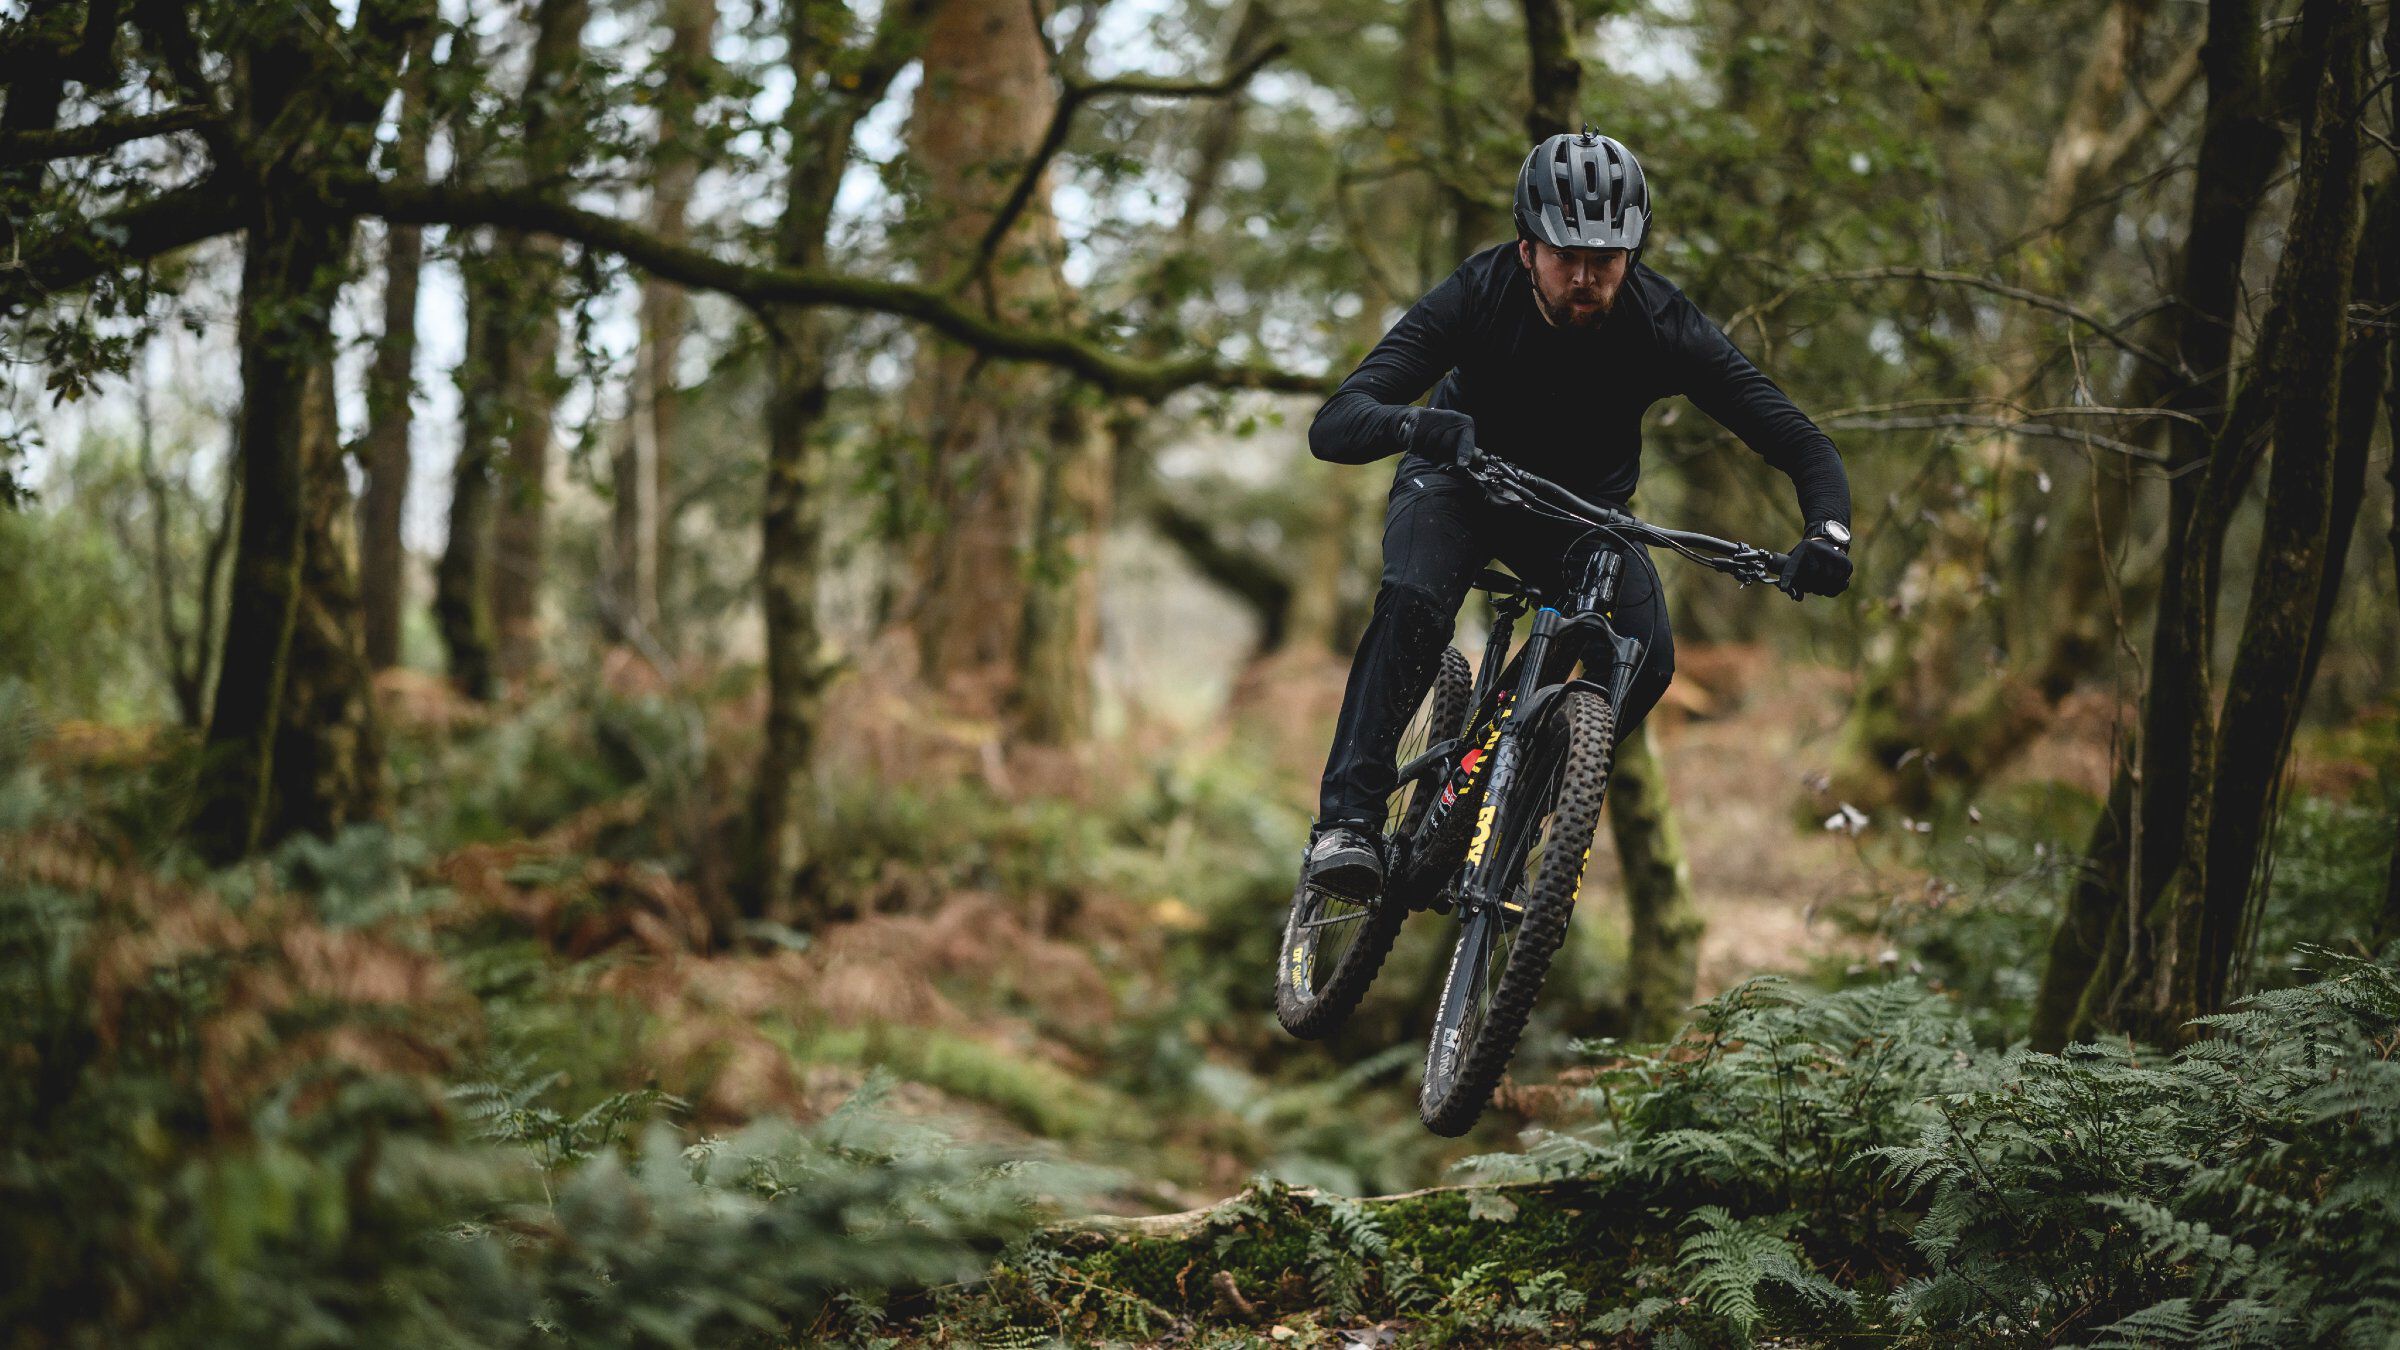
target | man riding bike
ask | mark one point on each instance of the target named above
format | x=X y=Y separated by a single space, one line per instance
x=1547 y=355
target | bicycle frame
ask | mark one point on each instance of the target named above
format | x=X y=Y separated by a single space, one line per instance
x=1512 y=701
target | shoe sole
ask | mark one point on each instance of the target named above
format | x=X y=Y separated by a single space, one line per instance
x=1358 y=884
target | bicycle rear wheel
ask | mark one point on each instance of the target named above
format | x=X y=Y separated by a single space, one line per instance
x=1333 y=945
x=1543 y=839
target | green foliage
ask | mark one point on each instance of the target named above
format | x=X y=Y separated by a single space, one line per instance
x=1978 y=926
x=70 y=629
x=2245 y=1185
x=1772 y=1099
x=227 y=1107
x=2327 y=875
x=1729 y=1264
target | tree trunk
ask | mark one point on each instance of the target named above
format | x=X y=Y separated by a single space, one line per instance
x=528 y=367
x=2238 y=148
x=2387 y=924
x=2195 y=928
x=790 y=523
x=1662 y=962
x=291 y=740
x=528 y=359
x=820 y=130
x=2365 y=363
x=1554 y=77
x=2275 y=661
x=980 y=113
x=391 y=388
x=643 y=538
x=1061 y=637
x=462 y=609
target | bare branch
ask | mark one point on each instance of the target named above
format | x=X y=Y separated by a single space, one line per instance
x=33 y=147
x=2016 y=409
x=1073 y=95
x=2114 y=333
x=2011 y=425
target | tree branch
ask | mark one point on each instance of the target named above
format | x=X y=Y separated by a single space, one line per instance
x=2015 y=409
x=1073 y=95
x=32 y=147
x=759 y=286
x=170 y=221
x=2112 y=332
x=2011 y=425
x=166 y=29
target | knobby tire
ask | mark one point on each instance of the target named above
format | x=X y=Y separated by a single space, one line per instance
x=1458 y=1087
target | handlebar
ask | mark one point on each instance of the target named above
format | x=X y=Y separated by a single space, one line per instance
x=1745 y=563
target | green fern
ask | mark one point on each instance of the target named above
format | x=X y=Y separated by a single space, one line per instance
x=1729 y=1261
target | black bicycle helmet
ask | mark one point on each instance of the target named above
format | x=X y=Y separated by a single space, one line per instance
x=1583 y=192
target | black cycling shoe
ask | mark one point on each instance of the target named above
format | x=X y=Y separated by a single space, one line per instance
x=1346 y=862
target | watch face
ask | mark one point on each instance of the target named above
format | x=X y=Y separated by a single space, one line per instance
x=1836 y=531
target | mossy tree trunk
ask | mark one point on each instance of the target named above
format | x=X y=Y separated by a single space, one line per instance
x=2133 y=845
x=791 y=524
x=781 y=844
x=1662 y=962
x=1061 y=636
x=462 y=610
x=292 y=744
x=2187 y=956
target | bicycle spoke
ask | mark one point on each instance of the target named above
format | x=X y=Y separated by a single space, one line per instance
x=1331 y=920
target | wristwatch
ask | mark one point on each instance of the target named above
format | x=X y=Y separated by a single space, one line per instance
x=1832 y=532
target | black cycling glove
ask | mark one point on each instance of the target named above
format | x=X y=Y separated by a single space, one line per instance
x=1819 y=567
x=1443 y=436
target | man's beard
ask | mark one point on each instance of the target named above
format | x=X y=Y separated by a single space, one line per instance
x=1559 y=312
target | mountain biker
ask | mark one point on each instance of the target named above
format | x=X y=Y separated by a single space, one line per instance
x=1547 y=354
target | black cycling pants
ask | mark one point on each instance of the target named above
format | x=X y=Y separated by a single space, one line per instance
x=1438 y=531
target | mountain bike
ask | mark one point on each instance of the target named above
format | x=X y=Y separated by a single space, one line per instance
x=1499 y=790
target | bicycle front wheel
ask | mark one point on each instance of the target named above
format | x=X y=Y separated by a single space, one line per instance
x=1542 y=840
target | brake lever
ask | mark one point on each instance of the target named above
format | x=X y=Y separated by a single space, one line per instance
x=1787 y=578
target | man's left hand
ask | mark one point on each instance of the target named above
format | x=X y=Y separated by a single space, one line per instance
x=1819 y=567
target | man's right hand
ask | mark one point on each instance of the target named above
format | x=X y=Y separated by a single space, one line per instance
x=1443 y=436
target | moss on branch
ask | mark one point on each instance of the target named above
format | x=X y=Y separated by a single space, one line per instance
x=757 y=285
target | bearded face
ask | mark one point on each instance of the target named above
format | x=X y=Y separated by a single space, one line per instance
x=1574 y=287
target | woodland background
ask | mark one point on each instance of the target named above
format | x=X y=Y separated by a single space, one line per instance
x=662 y=664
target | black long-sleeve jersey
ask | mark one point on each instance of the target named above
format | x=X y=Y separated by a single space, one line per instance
x=1568 y=403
